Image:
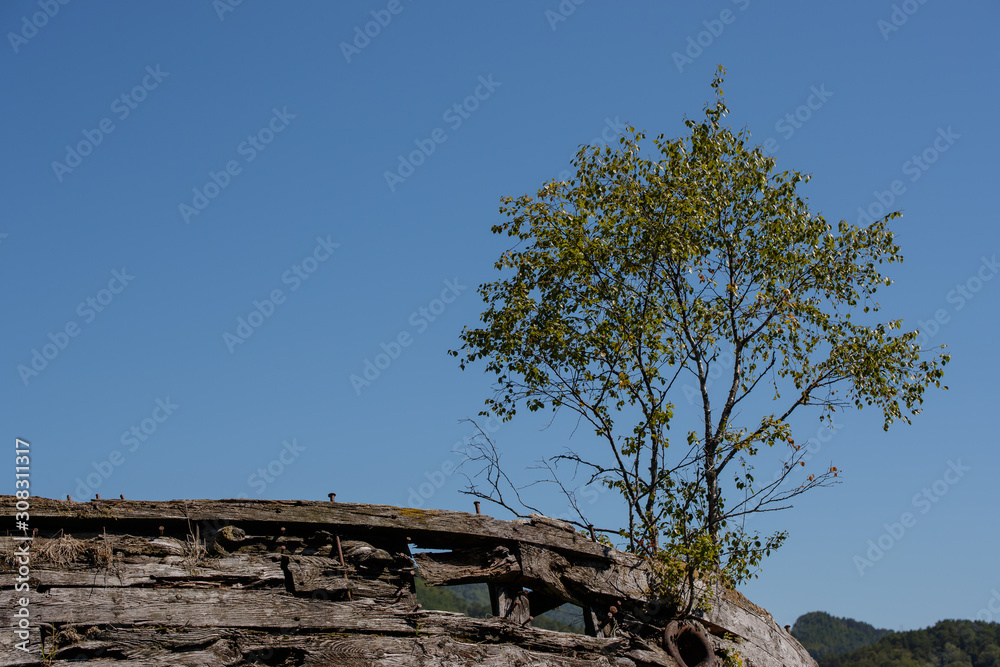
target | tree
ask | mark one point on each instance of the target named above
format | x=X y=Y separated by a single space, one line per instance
x=641 y=273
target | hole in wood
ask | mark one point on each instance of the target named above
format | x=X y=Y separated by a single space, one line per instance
x=688 y=644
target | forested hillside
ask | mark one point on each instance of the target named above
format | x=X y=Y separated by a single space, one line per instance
x=474 y=600
x=822 y=634
x=843 y=642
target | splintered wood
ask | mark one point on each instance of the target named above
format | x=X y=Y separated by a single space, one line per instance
x=255 y=582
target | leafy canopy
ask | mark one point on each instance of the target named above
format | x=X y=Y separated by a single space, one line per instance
x=640 y=273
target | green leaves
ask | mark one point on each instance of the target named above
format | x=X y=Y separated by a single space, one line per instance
x=697 y=261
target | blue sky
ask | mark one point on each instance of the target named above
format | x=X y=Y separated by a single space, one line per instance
x=202 y=246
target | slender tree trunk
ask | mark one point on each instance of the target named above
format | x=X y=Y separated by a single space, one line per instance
x=712 y=490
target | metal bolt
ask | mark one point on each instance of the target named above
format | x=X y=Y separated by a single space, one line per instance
x=476 y=503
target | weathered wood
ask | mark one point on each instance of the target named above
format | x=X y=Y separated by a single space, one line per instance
x=580 y=581
x=345 y=651
x=211 y=607
x=433 y=529
x=293 y=582
x=467 y=566
x=232 y=571
x=433 y=640
x=510 y=602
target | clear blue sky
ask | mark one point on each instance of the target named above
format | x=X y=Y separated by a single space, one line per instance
x=169 y=168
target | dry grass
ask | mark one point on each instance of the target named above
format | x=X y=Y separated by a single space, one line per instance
x=194 y=547
x=61 y=551
x=66 y=550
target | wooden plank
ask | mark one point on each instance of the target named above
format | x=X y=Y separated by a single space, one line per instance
x=583 y=581
x=431 y=640
x=510 y=603
x=186 y=607
x=229 y=571
x=465 y=566
x=346 y=651
x=433 y=529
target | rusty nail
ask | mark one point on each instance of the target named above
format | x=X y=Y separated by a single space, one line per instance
x=68 y=498
x=408 y=539
x=593 y=535
x=161 y=531
x=612 y=610
x=340 y=553
x=476 y=503
x=282 y=530
x=332 y=497
x=418 y=607
x=528 y=621
x=97 y=496
x=122 y=496
x=788 y=628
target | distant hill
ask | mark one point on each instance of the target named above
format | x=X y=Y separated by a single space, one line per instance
x=822 y=634
x=842 y=642
x=473 y=600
